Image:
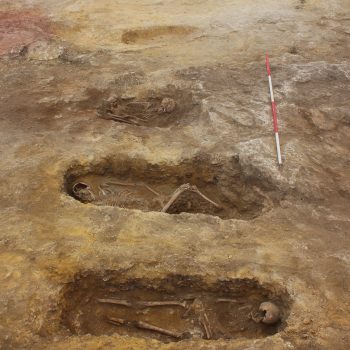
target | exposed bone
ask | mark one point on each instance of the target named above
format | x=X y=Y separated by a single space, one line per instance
x=123 y=119
x=105 y=191
x=271 y=312
x=115 y=302
x=204 y=321
x=83 y=192
x=150 y=189
x=245 y=307
x=145 y=105
x=102 y=191
x=257 y=318
x=128 y=98
x=161 y=303
x=233 y=301
x=183 y=188
x=145 y=326
x=143 y=304
x=117 y=321
x=167 y=105
x=190 y=308
x=268 y=313
x=132 y=184
x=128 y=117
x=196 y=190
x=119 y=199
x=175 y=195
x=79 y=186
x=113 y=116
x=149 y=327
x=198 y=307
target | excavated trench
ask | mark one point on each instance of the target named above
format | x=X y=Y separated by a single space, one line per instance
x=153 y=108
x=172 y=309
x=198 y=185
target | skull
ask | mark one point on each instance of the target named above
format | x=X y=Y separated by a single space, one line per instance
x=168 y=105
x=83 y=192
x=270 y=313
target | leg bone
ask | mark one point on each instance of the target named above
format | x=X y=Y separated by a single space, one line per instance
x=196 y=190
x=145 y=326
x=115 y=302
x=144 y=304
x=204 y=321
x=149 y=327
x=175 y=195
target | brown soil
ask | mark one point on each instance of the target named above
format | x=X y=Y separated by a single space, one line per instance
x=135 y=184
x=145 y=35
x=185 y=89
x=88 y=307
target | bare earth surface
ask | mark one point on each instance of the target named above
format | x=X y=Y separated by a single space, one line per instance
x=107 y=107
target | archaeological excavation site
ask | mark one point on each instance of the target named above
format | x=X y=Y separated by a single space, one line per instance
x=175 y=175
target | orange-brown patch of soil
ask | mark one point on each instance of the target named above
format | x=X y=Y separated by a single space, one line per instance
x=21 y=28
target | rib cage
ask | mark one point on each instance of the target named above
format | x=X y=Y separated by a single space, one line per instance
x=122 y=199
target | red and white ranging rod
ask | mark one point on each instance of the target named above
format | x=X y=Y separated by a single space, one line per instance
x=274 y=112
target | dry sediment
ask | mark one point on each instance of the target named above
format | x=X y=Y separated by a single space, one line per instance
x=174 y=94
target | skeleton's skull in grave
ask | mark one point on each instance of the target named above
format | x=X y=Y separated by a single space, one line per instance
x=83 y=192
x=270 y=313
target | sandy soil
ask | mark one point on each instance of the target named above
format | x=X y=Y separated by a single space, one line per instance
x=158 y=94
